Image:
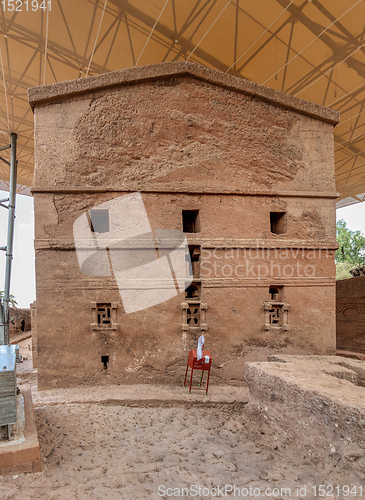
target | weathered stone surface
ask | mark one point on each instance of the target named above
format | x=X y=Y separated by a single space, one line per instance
x=187 y=138
x=350 y=317
x=172 y=145
x=317 y=401
x=58 y=91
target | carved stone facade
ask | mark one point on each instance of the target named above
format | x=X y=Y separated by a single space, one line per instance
x=20 y=321
x=350 y=332
x=104 y=316
x=246 y=172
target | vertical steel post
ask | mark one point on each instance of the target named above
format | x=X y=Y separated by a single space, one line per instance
x=2 y=323
x=10 y=239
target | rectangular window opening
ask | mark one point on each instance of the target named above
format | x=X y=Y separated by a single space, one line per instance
x=194 y=254
x=191 y=223
x=99 y=219
x=278 y=222
x=193 y=291
x=105 y=361
x=276 y=293
x=194 y=251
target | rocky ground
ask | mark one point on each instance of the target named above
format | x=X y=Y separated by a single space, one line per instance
x=150 y=448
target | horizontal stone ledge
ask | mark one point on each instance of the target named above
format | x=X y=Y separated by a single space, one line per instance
x=105 y=283
x=350 y=319
x=115 y=244
x=268 y=281
x=207 y=243
x=173 y=190
x=281 y=243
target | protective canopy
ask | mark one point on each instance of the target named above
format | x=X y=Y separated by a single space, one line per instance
x=312 y=49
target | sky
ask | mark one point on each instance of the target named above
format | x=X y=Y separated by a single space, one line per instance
x=354 y=216
x=23 y=274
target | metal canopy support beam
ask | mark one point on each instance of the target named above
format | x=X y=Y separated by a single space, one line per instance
x=4 y=304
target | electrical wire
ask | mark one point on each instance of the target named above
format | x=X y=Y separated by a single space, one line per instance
x=347 y=143
x=348 y=158
x=344 y=96
x=46 y=49
x=316 y=38
x=200 y=41
x=152 y=30
x=262 y=34
x=349 y=119
x=329 y=70
x=96 y=39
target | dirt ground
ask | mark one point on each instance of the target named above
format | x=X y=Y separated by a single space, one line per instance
x=150 y=449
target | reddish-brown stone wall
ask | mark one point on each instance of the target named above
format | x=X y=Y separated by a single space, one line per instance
x=350 y=324
x=185 y=143
x=33 y=309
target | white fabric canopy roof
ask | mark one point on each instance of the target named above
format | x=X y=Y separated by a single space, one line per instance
x=312 y=49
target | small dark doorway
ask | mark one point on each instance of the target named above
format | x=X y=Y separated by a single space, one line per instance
x=191 y=223
x=105 y=361
x=278 y=222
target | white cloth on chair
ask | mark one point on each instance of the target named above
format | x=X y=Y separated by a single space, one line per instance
x=199 y=351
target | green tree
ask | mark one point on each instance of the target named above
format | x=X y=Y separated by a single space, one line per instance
x=13 y=302
x=351 y=251
x=343 y=270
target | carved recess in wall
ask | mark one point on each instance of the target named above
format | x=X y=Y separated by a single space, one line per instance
x=194 y=316
x=104 y=316
x=350 y=326
x=276 y=315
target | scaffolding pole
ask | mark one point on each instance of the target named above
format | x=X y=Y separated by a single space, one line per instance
x=4 y=305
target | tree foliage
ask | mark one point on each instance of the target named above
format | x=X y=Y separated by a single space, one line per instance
x=351 y=245
x=343 y=270
x=13 y=302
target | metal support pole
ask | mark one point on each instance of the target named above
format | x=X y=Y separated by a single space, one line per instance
x=4 y=317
